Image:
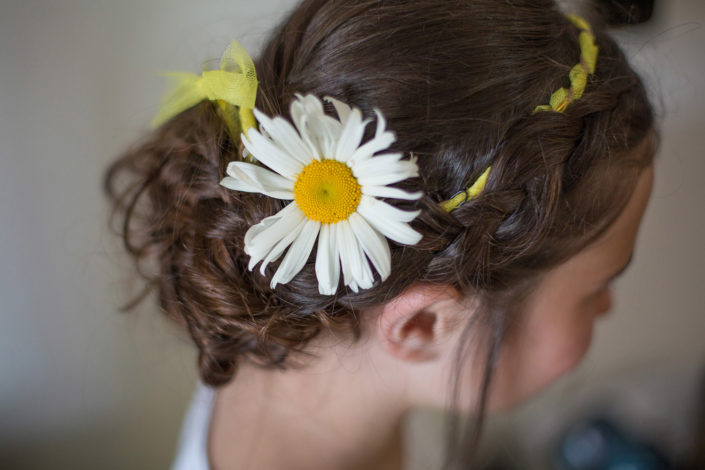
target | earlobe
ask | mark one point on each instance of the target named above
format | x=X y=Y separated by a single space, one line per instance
x=412 y=325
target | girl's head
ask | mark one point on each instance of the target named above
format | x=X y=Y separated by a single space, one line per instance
x=517 y=272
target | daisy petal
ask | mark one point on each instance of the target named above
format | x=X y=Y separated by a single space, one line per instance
x=365 y=278
x=318 y=131
x=300 y=110
x=395 y=193
x=382 y=179
x=298 y=253
x=381 y=141
x=255 y=179
x=262 y=237
x=304 y=106
x=312 y=144
x=388 y=220
x=325 y=132
x=347 y=256
x=271 y=155
x=281 y=246
x=381 y=123
x=373 y=244
x=288 y=140
x=327 y=262
x=341 y=108
x=353 y=258
x=373 y=146
x=384 y=169
x=387 y=211
x=370 y=166
x=311 y=104
x=328 y=135
x=351 y=136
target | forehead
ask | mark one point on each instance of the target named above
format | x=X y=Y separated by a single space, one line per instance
x=619 y=239
x=603 y=257
x=616 y=244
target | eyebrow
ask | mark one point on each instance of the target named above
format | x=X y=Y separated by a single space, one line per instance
x=624 y=268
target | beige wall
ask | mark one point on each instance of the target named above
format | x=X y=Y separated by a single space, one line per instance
x=80 y=383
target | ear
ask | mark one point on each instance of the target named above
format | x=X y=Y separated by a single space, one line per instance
x=412 y=326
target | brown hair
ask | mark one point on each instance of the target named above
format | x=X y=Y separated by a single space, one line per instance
x=458 y=81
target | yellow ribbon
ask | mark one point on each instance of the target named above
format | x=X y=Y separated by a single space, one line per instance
x=579 y=73
x=467 y=194
x=233 y=87
x=559 y=101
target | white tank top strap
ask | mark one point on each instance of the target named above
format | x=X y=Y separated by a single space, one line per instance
x=192 y=452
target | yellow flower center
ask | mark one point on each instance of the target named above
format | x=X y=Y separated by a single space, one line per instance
x=327 y=191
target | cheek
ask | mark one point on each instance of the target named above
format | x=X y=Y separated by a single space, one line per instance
x=565 y=347
x=555 y=351
x=540 y=353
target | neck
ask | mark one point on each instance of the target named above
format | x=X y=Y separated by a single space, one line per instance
x=335 y=413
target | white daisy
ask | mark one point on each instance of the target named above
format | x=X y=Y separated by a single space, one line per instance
x=334 y=183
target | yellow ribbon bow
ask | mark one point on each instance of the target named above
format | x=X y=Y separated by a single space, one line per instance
x=233 y=86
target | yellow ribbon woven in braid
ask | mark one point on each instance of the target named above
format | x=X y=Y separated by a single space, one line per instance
x=233 y=87
x=469 y=193
x=559 y=101
x=579 y=73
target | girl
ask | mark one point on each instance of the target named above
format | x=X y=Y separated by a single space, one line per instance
x=426 y=207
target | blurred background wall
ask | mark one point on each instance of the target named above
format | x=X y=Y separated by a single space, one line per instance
x=84 y=386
